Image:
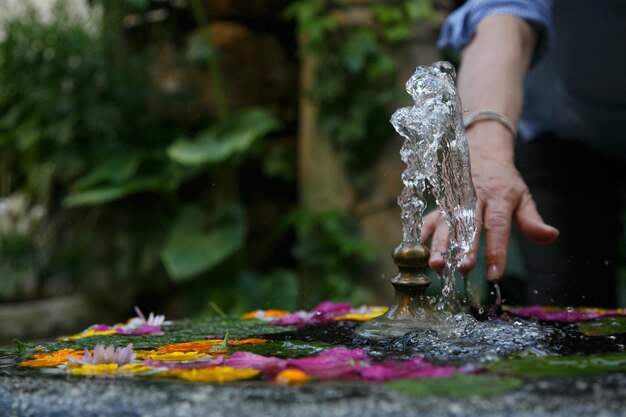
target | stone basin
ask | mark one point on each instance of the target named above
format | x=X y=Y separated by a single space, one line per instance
x=596 y=386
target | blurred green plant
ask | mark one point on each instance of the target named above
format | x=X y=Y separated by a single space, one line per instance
x=332 y=254
x=82 y=135
x=355 y=79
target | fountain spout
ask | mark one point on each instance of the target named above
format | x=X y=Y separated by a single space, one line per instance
x=411 y=309
x=411 y=282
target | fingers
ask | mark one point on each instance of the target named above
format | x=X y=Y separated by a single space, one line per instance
x=497 y=223
x=436 y=226
x=429 y=226
x=439 y=245
x=469 y=262
x=531 y=224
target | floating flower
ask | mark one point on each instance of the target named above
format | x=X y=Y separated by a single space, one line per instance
x=207 y=346
x=106 y=355
x=109 y=369
x=170 y=356
x=324 y=312
x=265 y=315
x=416 y=367
x=142 y=325
x=139 y=325
x=200 y=363
x=342 y=363
x=267 y=364
x=215 y=374
x=90 y=332
x=569 y=314
x=59 y=357
x=363 y=313
x=334 y=363
x=291 y=377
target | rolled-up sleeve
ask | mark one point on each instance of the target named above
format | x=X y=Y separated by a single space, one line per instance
x=460 y=26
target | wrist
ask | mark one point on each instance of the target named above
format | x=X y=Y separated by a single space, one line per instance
x=483 y=115
x=490 y=139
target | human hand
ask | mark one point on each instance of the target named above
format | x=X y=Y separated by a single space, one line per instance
x=502 y=197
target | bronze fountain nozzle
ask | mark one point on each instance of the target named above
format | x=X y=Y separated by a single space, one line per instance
x=411 y=309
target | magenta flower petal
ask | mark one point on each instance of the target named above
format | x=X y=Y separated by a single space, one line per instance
x=252 y=360
x=218 y=361
x=416 y=367
x=334 y=363
x=565 y=315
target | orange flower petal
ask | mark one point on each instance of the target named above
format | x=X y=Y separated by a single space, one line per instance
x=213 y=374
x=291 y=377
x=52 y=359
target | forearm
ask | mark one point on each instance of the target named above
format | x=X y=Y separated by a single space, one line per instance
x=491 y=76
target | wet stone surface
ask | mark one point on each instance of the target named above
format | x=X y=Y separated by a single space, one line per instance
x=544 y=369
x=33 y=396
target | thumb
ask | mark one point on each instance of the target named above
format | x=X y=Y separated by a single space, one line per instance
x=531 y=224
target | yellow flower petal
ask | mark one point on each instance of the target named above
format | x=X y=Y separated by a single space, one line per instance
x=99 y=369
x=212 y=374
x=371 y=313
x=108 y=369
x=89 y=333
x=171 y=356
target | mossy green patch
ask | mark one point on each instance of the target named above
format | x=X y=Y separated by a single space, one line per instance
x=178 y=332
x=558 y=366
x=603 y=327
x=284 y=349
x=458 y=385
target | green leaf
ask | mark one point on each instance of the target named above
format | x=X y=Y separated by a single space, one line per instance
x=458 y=385
x=139 y=4
x=109 y=193
x=113 y=169
x=603 y=327
x=224 y=140
x=554 y=366
x=194 y=246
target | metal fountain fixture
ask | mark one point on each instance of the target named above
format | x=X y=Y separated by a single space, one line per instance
x=411 y=309
x=436 y=154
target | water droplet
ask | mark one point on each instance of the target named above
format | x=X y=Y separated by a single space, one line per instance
x=535 y=292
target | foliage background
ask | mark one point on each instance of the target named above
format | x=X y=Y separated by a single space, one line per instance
x=136 y=186
x=133 y=171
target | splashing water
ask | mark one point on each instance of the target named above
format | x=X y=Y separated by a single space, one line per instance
x=436 y=152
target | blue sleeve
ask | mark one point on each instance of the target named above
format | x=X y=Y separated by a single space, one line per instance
x=460 y=26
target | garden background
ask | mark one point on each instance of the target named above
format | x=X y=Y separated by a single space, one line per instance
x=199 y=156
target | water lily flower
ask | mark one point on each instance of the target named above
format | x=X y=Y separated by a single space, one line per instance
x=141 y=325
x=110 y=369
x=106 y=355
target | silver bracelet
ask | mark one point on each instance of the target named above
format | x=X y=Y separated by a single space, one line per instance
x=471 y=118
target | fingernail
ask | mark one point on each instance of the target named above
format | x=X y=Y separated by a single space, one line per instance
x=493 y=274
